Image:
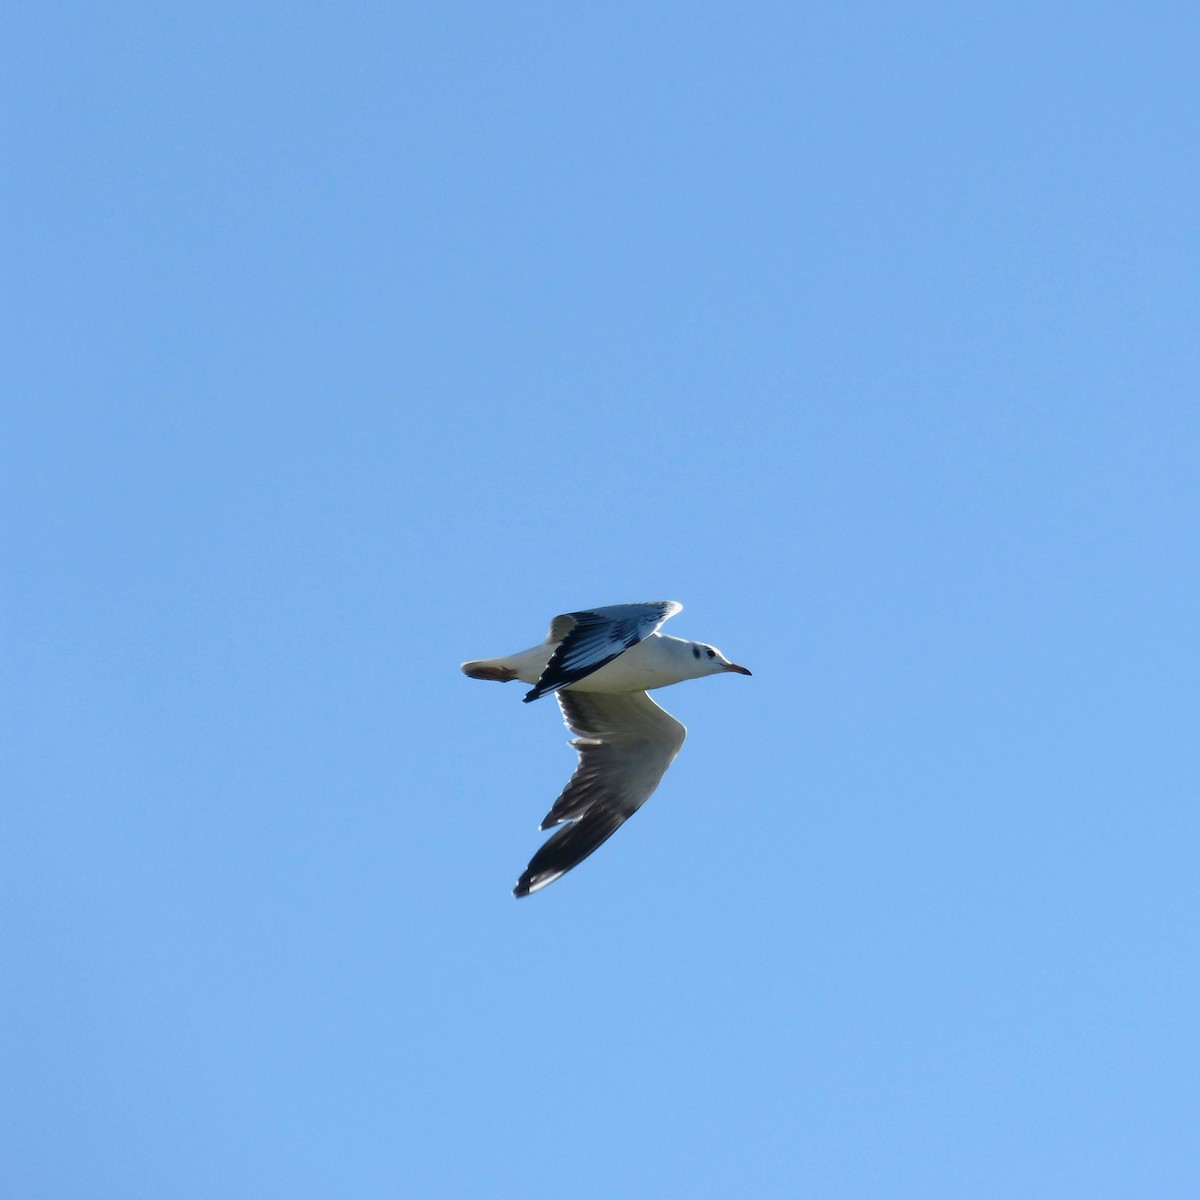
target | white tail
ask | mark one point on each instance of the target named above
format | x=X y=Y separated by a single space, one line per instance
x=489 y=668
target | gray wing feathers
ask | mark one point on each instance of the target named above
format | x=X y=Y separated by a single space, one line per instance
x=560 y=627
x=591 y=638
x=625 y=743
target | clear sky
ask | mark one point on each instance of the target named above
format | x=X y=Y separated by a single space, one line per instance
x=347 y=342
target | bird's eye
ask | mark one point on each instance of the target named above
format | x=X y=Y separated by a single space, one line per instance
x=712 y=654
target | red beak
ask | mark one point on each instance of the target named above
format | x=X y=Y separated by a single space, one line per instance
x=735 y=667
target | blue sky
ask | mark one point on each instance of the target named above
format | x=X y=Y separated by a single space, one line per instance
x=349 y=342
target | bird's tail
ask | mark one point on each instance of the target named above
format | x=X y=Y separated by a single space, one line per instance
x=497 y=669
x=526 y=665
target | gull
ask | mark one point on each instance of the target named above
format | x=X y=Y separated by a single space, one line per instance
x=600 y=663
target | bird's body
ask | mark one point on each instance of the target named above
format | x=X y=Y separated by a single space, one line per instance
x=601 y=662
x=657 y=661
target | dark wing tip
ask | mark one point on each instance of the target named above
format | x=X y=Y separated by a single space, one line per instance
x=568 y=847
x=533 y=880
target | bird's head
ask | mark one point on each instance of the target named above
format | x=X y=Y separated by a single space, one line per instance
x=710 y=661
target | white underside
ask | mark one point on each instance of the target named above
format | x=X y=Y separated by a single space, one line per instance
x=641 y=668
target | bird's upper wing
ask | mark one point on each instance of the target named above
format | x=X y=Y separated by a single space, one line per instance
x=590 y=639
x=625 y=743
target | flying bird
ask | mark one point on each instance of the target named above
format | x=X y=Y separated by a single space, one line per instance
x=600 y=663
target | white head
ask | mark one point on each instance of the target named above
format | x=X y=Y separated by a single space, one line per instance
x=708 y=660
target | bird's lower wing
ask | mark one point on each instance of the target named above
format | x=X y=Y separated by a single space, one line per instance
x=626 y=743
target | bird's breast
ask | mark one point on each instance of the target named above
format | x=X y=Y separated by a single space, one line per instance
x=638 y=669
